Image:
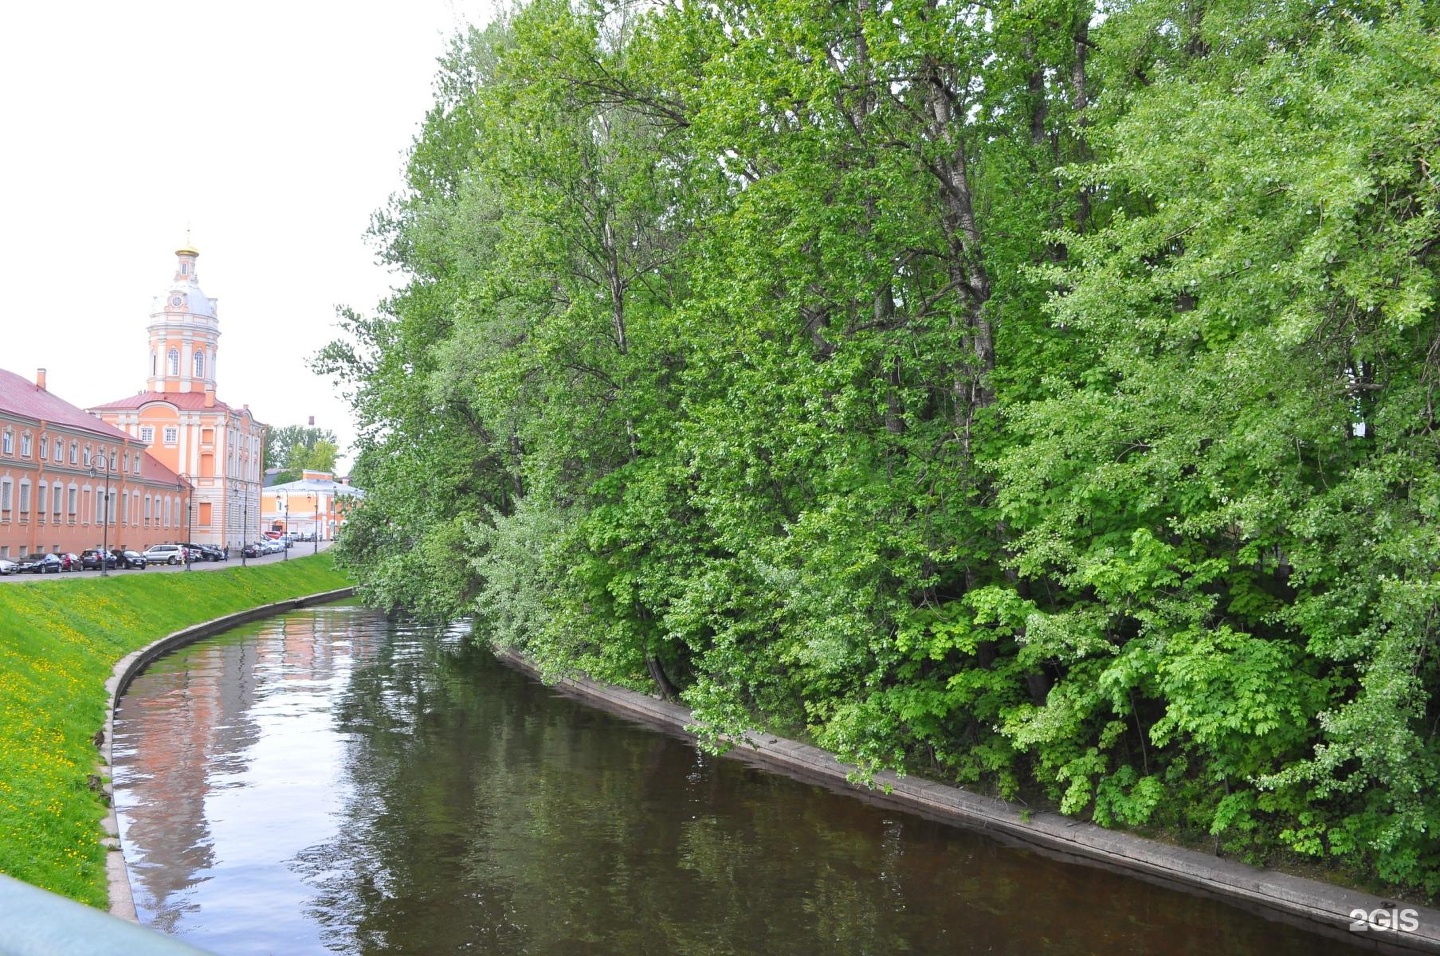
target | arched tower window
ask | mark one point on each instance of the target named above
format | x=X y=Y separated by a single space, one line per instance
x=199 y=364
x=174 y=360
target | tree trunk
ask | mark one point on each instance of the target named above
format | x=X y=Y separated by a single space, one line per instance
x=662 y=680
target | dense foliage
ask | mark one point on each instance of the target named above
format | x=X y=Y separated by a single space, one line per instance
x=1031 y=394
x=294 y=449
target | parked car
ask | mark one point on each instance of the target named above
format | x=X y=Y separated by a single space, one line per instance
x=164 y=554
x=41 y=563
x=252 y=550
x=206 y=552
x=129 y=559
x=93 y=559
x=69 y=561
x=7 y=566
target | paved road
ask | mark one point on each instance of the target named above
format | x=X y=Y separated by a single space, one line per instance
x=300 y=549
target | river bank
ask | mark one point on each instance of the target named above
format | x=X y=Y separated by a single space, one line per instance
x=59 y=641
x=1338 y=912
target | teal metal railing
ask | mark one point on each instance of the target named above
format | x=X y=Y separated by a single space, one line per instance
x=36 y=922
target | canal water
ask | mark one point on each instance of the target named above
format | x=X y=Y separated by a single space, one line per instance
x=331 y=781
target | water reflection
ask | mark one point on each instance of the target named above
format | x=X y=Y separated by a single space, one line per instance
x=333 y=782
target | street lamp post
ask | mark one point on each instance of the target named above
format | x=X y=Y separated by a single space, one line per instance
x=189 y=508
x=287 y=527
x=244 y=521
x=104 y=520
x=315 y=525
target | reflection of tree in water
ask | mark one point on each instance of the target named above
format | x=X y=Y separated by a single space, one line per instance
x=491 y=815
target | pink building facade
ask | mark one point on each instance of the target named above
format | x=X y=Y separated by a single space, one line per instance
x=214 y=446
x=69 y=481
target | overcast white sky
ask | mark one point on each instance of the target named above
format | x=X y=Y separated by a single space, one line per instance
x=273 y=129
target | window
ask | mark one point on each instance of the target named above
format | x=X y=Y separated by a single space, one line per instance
x=172 y=434
x=55 y=498
x=87 y=456
x=7 y=442
x=154 y=364
x=25 y=497
x=147 y=507
x=124 y=507
x=137 y=465
x=74 y=492
x=74 y=453
x=147 y=434
x=174 y=361
x=5 y=492
x=112 y=459
x=44 y=447
x=25 y=445
x=40 y=500
x=199 y=363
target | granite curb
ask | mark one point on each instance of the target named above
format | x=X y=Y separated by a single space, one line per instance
x=1316 y=906
x=122 y=901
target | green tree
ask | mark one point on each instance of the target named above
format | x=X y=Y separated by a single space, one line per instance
x=1038 y=400
x=1235 y=498
x=293 y=448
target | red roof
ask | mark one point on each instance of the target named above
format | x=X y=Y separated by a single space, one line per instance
x=190 y=401
x=20 y=396
x=152 y=470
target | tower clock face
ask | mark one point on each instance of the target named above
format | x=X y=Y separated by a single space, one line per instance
x=176 y=301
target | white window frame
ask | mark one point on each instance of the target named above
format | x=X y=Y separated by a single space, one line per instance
x=172 y=434
x=26 y=445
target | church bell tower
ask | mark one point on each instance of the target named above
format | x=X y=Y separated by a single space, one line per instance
x=184 y=332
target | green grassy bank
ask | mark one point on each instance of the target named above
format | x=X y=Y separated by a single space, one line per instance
x=59 y=641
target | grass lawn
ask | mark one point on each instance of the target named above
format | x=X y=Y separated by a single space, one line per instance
x=59 y=642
